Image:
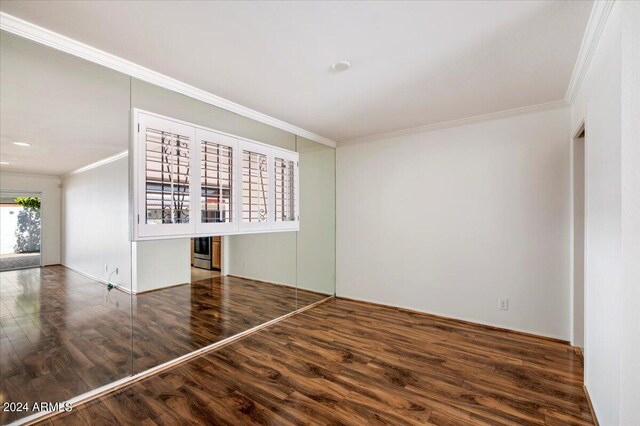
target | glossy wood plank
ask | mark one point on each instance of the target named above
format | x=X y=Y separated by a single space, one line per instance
x=63 y=334
x=347 y=362
x=176 y=321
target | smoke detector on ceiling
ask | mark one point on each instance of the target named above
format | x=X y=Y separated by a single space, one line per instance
x=341 y=66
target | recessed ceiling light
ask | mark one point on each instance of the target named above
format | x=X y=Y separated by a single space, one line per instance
x=341 y=66
x=4 y=163
x=22 y=143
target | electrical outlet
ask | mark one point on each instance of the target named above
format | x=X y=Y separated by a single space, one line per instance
x=503 y=304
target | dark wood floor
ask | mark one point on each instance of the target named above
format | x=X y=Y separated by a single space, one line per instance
x=63 y=334
x=346 y=362
x=178 y=320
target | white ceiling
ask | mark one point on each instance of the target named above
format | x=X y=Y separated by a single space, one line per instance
x=414 y=63
x=71 y=111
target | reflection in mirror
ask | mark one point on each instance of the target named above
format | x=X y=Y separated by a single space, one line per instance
x=65 y=283
x=212 y=288
x=195 y=292
x=83 y=304
x=316 y=242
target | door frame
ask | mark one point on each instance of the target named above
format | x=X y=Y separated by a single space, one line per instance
x=21 y=193
x=579 y=136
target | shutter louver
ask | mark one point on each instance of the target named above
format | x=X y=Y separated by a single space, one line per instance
x=284 y=190
x=216 y=183
x=167 y=177
x=255 y=187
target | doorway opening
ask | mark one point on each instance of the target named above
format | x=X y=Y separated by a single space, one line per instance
x=206 y=258
x=20 y=230
x=578 y=243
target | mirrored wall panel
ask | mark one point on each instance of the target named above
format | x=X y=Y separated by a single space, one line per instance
x=113 y=264
x=198 y=290
x=316 y=240
x=65 y=266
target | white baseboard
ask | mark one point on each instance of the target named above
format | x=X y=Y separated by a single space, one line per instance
x=459 y=318
x=100 y=280
x=262 y=280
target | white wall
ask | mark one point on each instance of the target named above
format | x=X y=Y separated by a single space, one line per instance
x=629 y=364
x=161 y=263
x=316 y=241
x=448 y=221
x=267 y=257
x=608 y=104
x=599 y=106
x=95 y=222
x=49 y=187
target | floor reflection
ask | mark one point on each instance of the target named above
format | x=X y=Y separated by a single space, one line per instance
x=175 y=321
x=11 y=261
x=63 y=334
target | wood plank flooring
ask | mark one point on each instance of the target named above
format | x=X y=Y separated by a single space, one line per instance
x=63 y=334
x=178 y=320
x=198 y=274
x=346 y=362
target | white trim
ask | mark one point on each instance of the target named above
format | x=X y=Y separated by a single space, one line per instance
x=31 y=175
x=100 y=280
x=39 y=194
x=215 y=234
x=261 y=280
x=454 y=317
x=459 y=122
x=572 y=236
x=135 y=111
x=98 y=163
x=57 y=41
x=572 y=144
x=21 y=193
x=595 y=26
x=118 y=384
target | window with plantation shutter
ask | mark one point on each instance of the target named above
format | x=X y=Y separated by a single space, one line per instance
x=255 y=187
x=284 y=190
x=217 y=171
x=216 y=183
x=163 y=178
x=285 y=195
x=167 y=177
x=192 y=181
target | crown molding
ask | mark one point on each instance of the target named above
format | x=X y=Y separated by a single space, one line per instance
x=57 y=41
x=459 y=122
x=29 y=175
x=595 y=26
x=97 y=164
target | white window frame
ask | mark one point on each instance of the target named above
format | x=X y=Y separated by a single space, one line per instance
x=246 y=145
x=220 y=139
x=143 y=229
x=292 y=156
